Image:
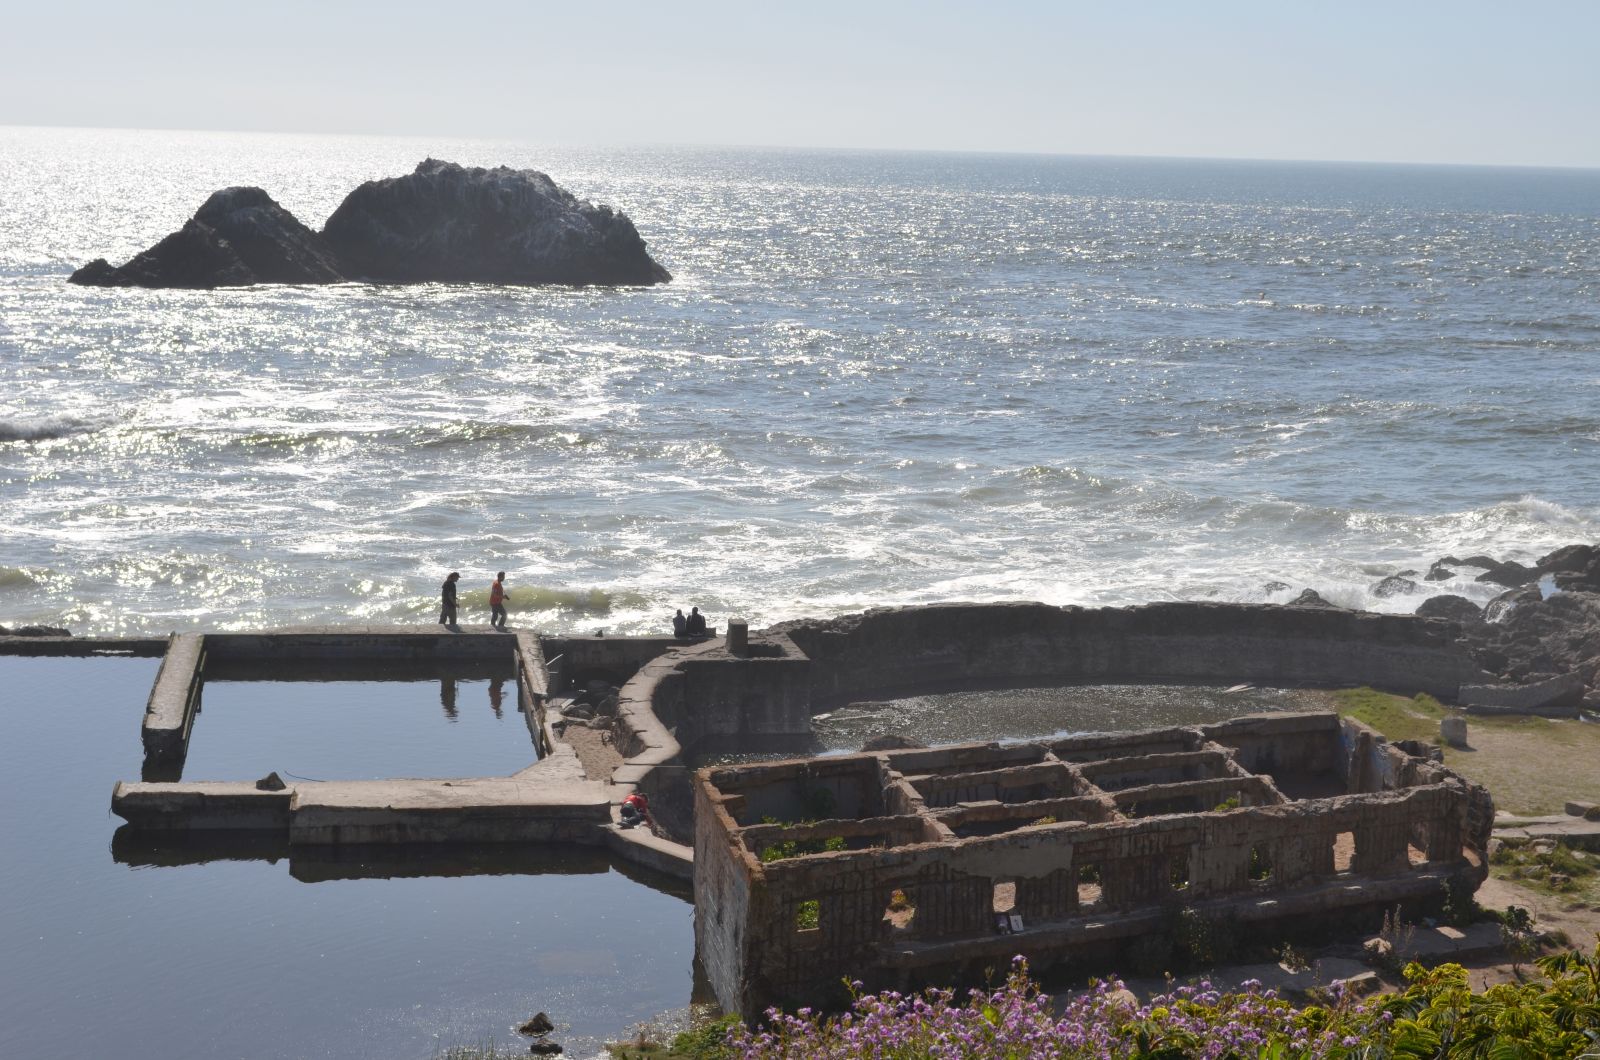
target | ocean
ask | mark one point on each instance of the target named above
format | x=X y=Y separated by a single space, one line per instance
x=877 y=378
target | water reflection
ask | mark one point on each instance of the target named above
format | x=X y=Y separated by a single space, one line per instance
x=210 y=945
x=387 y=861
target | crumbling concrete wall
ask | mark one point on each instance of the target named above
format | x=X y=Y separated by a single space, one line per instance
x=906 y=887
x=943 y=646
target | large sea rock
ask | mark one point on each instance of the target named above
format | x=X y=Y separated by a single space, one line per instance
x=443 y=223
x=240 y=236
x=456 y=224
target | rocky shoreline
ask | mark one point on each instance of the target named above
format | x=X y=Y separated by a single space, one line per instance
x=442 y=223
x=1543 y=630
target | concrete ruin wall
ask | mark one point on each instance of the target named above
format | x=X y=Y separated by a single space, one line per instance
x=945 y=827
x=903 y=650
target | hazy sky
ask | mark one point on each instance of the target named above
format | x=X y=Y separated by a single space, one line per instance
x=1514 y=82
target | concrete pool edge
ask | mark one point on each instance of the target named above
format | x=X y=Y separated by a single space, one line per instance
x=677 y=697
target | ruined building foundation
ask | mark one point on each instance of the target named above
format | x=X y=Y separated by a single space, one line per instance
x=906 y=867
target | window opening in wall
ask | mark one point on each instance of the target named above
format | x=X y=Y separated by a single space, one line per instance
x=1416 y=855
x=808 y=915
x=901 y=910
x=1260 y=863
x=1005 y=896
x=1179 y=874
x=1089 y=892
x=1344 y=851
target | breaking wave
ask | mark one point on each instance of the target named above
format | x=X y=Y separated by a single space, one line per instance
x=44 y=428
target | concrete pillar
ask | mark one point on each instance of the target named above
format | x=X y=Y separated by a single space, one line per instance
x=738 y=636
x=1453 y=731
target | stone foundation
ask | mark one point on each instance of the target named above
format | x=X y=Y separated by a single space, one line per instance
x=893 y=868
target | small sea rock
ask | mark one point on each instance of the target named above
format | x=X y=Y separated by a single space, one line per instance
x=540 y=1024
x=1511 y=574
x=1310 y=598
x=1395 y=585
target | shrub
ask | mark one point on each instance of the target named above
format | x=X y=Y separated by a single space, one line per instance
x=1438 y=1015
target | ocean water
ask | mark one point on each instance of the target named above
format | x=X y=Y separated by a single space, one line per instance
x=876 y=379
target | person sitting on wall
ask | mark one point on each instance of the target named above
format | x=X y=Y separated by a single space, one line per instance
x=680 y=625
x=635 y=811
x=696 y=626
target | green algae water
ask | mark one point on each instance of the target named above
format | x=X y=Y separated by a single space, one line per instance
x=1044 y=713
x=116 y=946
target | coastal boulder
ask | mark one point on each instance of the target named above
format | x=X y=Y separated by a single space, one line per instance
x=454 y=224
x=1395 y=585
x=238 y=237
x=1311 y=598
x=1450 y=608
x=1509 y=574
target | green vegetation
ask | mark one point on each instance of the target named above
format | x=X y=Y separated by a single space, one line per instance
x=1531 y=765
x=1555 y=1016
x=707 y=1042
x=789 y=848
x=1554 y=870
x=1396 y=717
x=807 y=915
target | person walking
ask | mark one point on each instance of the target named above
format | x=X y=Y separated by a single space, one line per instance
x=447 y=597
x=497 y=603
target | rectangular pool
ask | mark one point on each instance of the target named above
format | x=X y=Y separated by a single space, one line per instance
x=447 y=726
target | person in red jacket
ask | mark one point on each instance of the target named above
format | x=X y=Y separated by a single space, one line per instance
x=635 y=811
x=497 y=603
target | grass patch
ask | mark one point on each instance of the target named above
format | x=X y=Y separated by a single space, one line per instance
x=1559 y=871
x=1531 y=765
x=707 y=1042
x=1396 y=717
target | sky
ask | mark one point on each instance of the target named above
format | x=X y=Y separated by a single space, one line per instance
x=1504 y=83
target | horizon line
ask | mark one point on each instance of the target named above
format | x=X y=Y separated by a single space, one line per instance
x=718 y=145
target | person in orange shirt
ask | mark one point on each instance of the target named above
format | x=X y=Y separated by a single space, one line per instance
x=497 y=602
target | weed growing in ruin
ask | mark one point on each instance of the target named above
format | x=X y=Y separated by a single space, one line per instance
x=1292 y=959
x=788 y=848
x=1554 y=869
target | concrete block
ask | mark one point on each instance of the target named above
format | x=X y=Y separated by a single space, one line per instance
x=1563 y=690
x=1453 y=731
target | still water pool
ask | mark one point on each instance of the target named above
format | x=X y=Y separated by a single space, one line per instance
x=359 y=730
x=117 y=947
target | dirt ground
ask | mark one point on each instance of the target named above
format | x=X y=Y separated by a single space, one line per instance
x=600 y=759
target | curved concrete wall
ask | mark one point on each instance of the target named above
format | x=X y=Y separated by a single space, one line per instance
x=901 y=650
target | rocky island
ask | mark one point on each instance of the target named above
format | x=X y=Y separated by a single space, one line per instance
x=442 y=223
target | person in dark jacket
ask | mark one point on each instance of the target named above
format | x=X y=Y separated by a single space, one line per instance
x=680 y=625
x=447 y=596
x=696 y=626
